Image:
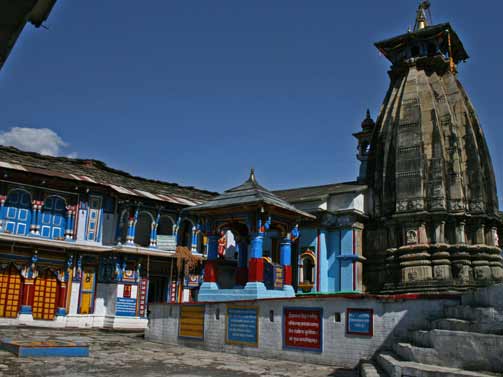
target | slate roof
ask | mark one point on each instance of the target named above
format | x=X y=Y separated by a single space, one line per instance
x=97 y=172
x=318 y=192
x=249 y=193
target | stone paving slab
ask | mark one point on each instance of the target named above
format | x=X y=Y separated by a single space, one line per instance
x=115 y=354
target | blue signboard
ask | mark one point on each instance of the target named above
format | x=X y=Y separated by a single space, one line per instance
x=125 y=307
x=360 y=322
x=242 y=326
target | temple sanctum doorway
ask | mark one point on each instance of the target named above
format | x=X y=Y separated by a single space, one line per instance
x=46 y=294
x=10 y=292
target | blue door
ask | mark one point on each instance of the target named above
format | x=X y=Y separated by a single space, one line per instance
x=53 y=220
x=17 y=211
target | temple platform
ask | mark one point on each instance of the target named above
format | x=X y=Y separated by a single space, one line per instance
x=209 y=292
x=45 y=348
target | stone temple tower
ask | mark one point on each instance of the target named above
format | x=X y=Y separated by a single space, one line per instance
x=432 y=193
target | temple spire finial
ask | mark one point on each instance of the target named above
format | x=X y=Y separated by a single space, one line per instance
x=252 y=175
x=421 y=19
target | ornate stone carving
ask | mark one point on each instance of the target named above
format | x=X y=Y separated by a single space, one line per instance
x=411 y=236
x=428 y=166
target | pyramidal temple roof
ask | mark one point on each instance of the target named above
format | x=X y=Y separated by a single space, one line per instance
x=246 y=194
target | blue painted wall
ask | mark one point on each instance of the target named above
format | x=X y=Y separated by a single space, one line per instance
x=333 y=262
x=335 y=271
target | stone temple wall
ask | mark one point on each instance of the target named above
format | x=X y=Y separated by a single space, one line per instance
x=392 y=317
x=485 y=297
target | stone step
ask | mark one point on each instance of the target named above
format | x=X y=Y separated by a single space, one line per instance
x=472 y=314
x=459 y=349
x=424 y=355
x=484 y=319
x=369 y=369
x=420 y=338
x=453 y=324
x=396 y=368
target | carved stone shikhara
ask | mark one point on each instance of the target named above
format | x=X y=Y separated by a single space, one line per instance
x=432 y=193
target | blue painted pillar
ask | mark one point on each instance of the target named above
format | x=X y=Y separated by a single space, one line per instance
x=333 y=260
x=193 y=245
x=347 y=259
x=285 y=258
x=37 y=207
x=132 y=228
x=153 y=233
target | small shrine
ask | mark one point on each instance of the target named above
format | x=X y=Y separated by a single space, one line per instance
x=249 y=233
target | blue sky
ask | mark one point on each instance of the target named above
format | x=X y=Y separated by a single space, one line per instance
x=197 y=92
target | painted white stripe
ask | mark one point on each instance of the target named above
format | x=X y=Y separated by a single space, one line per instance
x=184 y=201
x=170 y=199
x=123 y=190
x=8 y=165
x=148 y=194
x=76 y=177
x=86 y=178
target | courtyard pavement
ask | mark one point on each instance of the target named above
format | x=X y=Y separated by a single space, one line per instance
x=114 y=353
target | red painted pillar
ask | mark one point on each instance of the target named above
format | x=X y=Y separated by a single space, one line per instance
x=256 y=270
x=28 y=293
x=61 y=310
x=288 y=275
x=210 y=271
x=210 y=268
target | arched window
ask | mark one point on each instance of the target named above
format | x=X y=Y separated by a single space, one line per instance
x=17 y=211
x=307 y=268
x=53 y=218
x=185 y=234
x=165 y=227
x=228 y=244
x=165 y=238
x=123 y=226
x=143 y=229
x=307 y=271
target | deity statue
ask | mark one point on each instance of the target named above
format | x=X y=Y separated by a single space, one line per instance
x=222 y=243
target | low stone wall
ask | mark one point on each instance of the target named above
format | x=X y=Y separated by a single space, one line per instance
x=80 y=321
x=391 y=317
x=490 y=297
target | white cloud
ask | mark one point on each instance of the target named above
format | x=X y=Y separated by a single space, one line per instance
x=41 y=140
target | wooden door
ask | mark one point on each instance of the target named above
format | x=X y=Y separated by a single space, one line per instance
x=87 y=286
x=53 y=221
x=44 y=301
x=10 y=292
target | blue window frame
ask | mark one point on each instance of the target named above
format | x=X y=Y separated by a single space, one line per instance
x=17 y=210
x=53 y=218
